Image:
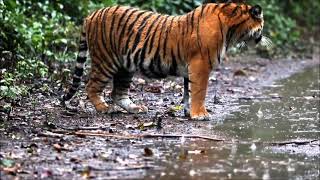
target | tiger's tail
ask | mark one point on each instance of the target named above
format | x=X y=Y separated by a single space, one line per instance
x=78 y=72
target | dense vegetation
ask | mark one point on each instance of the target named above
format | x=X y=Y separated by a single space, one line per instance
x=39 y=37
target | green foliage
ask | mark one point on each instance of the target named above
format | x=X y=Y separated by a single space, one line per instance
x=306 y=13
x=278 y=26
x=8 y=89
x=172 y=7
x=35 y=36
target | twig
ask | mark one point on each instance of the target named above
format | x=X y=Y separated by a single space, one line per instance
x=85 y=128
x=60 y=133
x=137 y=136
x=120 y=168
x=133 y=136
x=50 y=134
x=292 y=142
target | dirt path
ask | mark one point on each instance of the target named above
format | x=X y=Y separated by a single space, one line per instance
x=38 y=138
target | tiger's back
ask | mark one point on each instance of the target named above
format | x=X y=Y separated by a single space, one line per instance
x=130 y=39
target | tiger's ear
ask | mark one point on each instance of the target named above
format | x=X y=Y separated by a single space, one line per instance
x=256 y=12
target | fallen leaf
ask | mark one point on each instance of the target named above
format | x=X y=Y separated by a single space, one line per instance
x=11 y=170
x=260 y=113
x=253 y=147
x=176 y=108
x=7 y=163
x=148 y=124
x=130 y=126
x=57 y=147
x=86 y=173
x=147 y=152
x=75 y=160
x=192 y=172
x=183 y=154
x=240 y=72
x=154 y=89
x=49 y=125
x=142 y=126
x=308 y=97
x=212 y=78
x=46 y=174
x=197 y=152
x=140 y=81
x=251 y=78
x=32 y=148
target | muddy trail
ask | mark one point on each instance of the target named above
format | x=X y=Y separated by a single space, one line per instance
x=260 y=127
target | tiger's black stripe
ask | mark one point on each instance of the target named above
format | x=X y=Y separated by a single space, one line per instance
x=146 y=44
x=130 y=35
x=106 y=51
x=141 y=28
x=123 y=29
x=130 y=26
x=164 y=48
x=157 y=57
x=137 y=40
x=111 y=33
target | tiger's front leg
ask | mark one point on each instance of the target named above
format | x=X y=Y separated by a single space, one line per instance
x=199 y=71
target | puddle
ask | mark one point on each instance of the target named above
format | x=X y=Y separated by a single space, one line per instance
x=290 y=114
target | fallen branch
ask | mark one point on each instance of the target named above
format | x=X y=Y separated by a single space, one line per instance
x=120 y=168
x=293 y=142
x=85 y=128
x=138 y=136
x=59 y=133
x=130 y=136
x=50 y=134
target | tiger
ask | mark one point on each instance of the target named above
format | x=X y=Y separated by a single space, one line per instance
x=124 y=40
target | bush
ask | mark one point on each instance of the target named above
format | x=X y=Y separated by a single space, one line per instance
x=164 y=6
x=36 y=37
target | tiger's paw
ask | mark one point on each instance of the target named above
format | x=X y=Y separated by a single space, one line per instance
x=131 y=107
x=201 y=117
x=200 y=114
x=135 y=109
x=102 y=108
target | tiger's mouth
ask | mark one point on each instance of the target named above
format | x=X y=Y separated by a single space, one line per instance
x=258 y=39
x=252 y=38
x=257 y=36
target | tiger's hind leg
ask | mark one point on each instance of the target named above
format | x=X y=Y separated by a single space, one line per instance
x=94 y=90
x=120 y=93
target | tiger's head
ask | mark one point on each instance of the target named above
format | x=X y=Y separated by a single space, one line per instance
x=243 y=24
x=252 y=28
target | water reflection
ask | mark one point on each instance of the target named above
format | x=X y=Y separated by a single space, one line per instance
x=292 y=116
